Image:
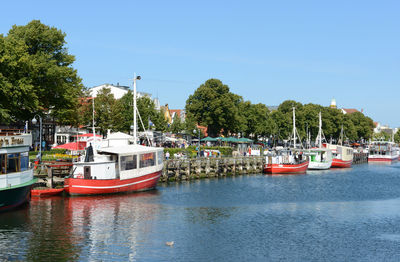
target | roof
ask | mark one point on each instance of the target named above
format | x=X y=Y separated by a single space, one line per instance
x=119 y=135
x=129 y=149
x=350 y=110
x=177 y=111
x=74 y=146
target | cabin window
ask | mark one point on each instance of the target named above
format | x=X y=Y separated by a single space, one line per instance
x=147 y=160
x=24 y=161
x=13 y=163
x=160 y=157
x=128 y=162
x=3 y=164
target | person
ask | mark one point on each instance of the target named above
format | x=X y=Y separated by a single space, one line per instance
x=43 y=145
x=167 y=155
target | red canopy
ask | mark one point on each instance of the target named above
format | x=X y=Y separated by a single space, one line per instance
x=73 y=146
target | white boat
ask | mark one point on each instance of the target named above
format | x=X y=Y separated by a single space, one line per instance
x=118 y=168
x=383 y=151
x=320 y=157
x=16 y=177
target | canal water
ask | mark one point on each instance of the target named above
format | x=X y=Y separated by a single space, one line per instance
x=336 y=215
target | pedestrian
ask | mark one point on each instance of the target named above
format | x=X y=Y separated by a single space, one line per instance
x=167 y=155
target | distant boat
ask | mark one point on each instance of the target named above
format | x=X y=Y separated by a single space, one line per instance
x=16 y=177
x=383 y=151
x=320 y=157
x=287 y=161
x=342 y=155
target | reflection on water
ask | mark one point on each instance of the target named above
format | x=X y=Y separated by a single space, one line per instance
x=336 y=215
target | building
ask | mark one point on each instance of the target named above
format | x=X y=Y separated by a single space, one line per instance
x=346 y=111
x=333 y=103
x=118 y=91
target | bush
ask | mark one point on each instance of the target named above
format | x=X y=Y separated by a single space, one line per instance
x=191 y=151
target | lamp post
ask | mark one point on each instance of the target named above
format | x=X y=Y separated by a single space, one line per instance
x=195 y=131
x=34 y=121
x=134 y=108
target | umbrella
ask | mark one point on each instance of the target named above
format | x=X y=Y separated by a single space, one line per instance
x=211 y=139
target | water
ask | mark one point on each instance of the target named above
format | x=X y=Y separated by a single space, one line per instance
x=336 y=215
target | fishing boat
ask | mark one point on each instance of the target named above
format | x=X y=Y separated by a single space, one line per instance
x=383 y=151
x=116 y=169
x=342 y=155
x=320 y=157
x=289 y=160
x=16 y=177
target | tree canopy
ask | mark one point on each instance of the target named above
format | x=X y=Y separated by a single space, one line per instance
x=36 y=74
x=223 y=112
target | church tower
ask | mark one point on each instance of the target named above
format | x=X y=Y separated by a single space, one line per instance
x=333 y=103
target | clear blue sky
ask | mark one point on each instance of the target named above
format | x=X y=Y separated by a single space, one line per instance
x=265 y=51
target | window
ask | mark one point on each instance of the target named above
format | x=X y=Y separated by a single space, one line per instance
x=128 y=162
x=13 y=163
x=24 y=161
x=147 y=160
x=160 y=157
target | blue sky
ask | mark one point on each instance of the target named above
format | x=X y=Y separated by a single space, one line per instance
x=265 y=51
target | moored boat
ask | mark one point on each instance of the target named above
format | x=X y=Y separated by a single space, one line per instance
x=320 y=158
x=16 y=177
x=342 y=156
x=46 y=192
x=383 y=151
x=287 y=161
x=116 y=169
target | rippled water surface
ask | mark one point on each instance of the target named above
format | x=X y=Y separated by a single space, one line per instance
x=336 y=215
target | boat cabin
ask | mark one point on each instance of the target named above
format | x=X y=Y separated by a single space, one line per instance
x=122 y=162
x=14 y=158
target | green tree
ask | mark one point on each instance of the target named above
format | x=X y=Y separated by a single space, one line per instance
x=104 y=110
x=36 y=74
x=214 y=106
x=177 y=126
x=397 y=137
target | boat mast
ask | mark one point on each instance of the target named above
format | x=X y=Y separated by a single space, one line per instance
x=320 y=131
x=93 y=130
x=294 y=128
x=134 y=110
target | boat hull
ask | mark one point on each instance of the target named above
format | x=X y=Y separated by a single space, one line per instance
x=14 y=197
x=46 y=192
x=338 y=163
x=383 y=159
x=286 y=168
x=80 y=186
x=320 y=165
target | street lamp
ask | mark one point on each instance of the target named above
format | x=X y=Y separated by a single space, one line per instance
x=195 y=131
x=34 y=121
x=134 y=108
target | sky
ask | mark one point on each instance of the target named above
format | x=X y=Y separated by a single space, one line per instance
x=265 y=51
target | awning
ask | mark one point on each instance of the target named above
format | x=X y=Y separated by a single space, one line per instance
x=73 y=146
x=209 y=139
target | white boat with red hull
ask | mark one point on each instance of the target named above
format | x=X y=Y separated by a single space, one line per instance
x=117 y=168
x=287 y=161
x=383 y=151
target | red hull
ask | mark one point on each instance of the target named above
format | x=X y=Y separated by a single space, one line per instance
x=388 y=160
x=80 y=186
x=286 y=169
x=338 y=163
x=46 y=192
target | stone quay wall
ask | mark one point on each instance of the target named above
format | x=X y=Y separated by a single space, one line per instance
x=187 y=169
